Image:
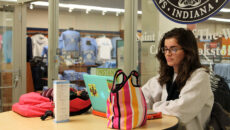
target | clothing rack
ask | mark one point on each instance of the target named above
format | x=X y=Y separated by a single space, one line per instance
x=33 y=31
x=210 y=63
x=96 y=34
x=3 y=29
x=92 y=33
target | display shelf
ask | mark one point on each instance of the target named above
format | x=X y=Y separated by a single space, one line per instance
x=76 y=67
x=78 y=82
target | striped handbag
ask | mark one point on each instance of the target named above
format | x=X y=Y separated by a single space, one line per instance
x=126 y=105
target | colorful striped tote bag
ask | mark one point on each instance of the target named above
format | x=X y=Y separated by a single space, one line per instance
x=126 y=105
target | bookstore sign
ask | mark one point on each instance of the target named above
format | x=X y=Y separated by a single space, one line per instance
x=189 y=11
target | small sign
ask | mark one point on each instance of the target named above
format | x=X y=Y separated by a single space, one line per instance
x=189 y=11
x=93 y=90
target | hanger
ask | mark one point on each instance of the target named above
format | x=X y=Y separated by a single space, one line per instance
x=103 y=35
x=71 y=28
x=88 y=35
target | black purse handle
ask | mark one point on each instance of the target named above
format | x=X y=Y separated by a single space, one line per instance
x=115 y=86
x=136 y=75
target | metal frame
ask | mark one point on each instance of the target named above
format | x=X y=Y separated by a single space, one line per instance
x=19 y=49
x=53 y=41
x=130 y=42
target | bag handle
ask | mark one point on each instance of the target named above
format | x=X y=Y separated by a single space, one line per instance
x=135 y=74
x=115 y=86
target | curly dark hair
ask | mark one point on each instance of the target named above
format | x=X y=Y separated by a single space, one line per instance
x=186 y=39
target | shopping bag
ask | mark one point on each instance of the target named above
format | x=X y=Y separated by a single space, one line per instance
x=126 y=105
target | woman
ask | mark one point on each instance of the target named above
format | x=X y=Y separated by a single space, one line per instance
x=182 y=87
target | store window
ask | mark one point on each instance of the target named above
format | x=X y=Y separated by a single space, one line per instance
x=91 y=23
x=91 y=39
x=212 y=37
x=6 y=59
x=12 y=59
x=37 y=45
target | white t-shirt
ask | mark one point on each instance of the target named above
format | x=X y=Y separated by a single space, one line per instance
x=194 y=105
x=104 y=46
x=39 y=41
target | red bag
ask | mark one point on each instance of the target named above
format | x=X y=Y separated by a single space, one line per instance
x=35 y=105
x=32 y=105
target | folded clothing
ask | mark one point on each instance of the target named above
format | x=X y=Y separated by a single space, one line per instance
x=80 y=75
x=69 y=75
x=72 y=75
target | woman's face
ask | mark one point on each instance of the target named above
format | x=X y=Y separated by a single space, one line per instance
x=174 y=53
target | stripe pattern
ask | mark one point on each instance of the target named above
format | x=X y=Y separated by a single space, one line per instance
x=126 y=105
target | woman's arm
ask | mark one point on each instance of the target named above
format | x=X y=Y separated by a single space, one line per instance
x=152 y=91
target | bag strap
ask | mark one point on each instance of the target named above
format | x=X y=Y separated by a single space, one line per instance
x=47 y=113
x=116 y=75
x=136 y=75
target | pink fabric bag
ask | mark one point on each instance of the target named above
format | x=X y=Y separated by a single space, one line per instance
x=126 y=105
x=32 y=105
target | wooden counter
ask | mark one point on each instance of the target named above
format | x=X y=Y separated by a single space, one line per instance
x=12 y=121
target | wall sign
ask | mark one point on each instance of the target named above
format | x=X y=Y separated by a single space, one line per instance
x=189 y=11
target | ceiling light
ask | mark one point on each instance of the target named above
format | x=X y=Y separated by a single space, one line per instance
x=31 y=6
x=219 y=19
x=139 y=12
x=41 y=3
x=87 y=11
x=117 y=13
x=70 y=10
x=225 y=10
x=103 y=12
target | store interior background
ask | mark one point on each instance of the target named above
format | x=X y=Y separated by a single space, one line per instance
x=78 y=19
x=147 y=22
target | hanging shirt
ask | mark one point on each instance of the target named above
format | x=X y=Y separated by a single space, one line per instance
x=223 y=70
x=109 y=64
x=38 y=43
x=194 y=105
x=7 y=46
x=29 y=50
x=114 y=50
x=69 y=40
x=104 y=45
x=61 y=43
x=0 y=41
x=88 y=50
x=45 y=51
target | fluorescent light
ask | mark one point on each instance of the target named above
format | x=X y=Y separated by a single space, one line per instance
x=84 y=7
x=219 y=19
x=8 y=0
x=95 y=8
x=139 y=12
x=225 y=10
x=41 y=3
